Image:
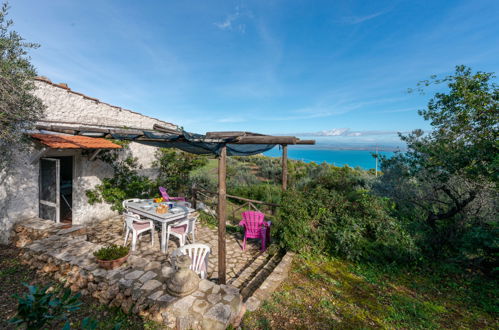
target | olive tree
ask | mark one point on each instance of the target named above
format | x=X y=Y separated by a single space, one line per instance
x=448 y=177
x=19 y=108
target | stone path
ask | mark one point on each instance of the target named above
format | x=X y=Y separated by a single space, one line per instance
x=110 y=231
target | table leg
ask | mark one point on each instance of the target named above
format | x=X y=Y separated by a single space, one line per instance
x=163 y=237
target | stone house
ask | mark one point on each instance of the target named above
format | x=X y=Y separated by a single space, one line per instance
x=50 y=180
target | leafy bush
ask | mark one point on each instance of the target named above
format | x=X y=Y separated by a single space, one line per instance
x=334 y=214
x=261 y=192
x=174 y=167
x=111 y=252
x=40 y=307
x=125 y=183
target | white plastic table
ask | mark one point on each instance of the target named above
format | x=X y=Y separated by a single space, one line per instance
x=147 y=209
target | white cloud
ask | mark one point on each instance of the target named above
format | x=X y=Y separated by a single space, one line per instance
x=232 y=21
x=231 y=120
x=347 y=132
x=360 y=19
x=227 y=23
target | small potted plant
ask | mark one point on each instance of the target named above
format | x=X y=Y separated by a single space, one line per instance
x=112 y=256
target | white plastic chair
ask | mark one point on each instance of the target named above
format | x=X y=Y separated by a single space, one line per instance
x=136 y=226
x=126 y=201
x=184 y=204
x=199 y=254
x=178 y=229
x=192 y=228
x=124 y=204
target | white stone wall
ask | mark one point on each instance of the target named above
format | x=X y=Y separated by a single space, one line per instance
x=19 y=189
x=67 y=106
x=18 y=194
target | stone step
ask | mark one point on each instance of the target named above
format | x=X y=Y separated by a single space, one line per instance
x=251 y=279
x=251 y=269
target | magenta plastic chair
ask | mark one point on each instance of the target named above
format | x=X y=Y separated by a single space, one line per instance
x=255 y=227
x=167 y=198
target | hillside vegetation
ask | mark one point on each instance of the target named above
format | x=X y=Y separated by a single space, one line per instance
x=415 y=247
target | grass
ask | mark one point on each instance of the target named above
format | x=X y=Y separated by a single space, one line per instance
x=211 y=168
x=331 y=293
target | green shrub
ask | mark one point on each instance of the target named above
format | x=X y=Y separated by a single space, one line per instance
x=335 y=214
x=111 y=252
x=40 y=307
x=261 y=192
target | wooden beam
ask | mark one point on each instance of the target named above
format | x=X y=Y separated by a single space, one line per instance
x=94 y=154
x=38 y=155
x=305 y=142
x=222 y=215
x=266 y=140
x=284 y=167
x=56 y=129
x=165 y=129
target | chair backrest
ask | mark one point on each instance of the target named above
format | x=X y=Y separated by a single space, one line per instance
x=126 y=201
x=192 y=224
x=184 y=204
x=199 y=254
x=252 y=221
x=163 y=192
x=130 y=218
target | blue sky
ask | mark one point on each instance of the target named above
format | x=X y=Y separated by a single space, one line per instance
x=276 y=67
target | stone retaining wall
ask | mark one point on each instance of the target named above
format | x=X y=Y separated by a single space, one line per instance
x=275 y=278
x=138 y=287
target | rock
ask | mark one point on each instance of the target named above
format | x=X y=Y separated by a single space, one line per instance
x=137 y=262
x=127 y=292
x=216 y=289
x=183 y=305
x=214 y=298
x=200 y=306
x=217 y=317
x=151 y=285
x=152 y=265
x=228 y=297
x=126 y=305
x=125 y=283
x=156 y=295
x=252 y=304
x=205 y=285
x=99 y=272
x=229 y=289
x=166 y=298
x=147 y=276
x=133 y=275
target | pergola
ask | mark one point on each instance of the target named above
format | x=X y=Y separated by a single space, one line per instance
x=220 y=144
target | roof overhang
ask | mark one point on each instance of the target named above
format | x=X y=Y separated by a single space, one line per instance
x=54 y=141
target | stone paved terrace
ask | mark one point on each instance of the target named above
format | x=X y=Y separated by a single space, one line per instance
x=139 y=286
x=110 y=231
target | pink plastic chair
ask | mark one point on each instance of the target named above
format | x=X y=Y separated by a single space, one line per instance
x=255 y=227
x=167 y=198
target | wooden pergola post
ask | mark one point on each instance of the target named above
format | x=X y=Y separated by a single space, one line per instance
x=284 y=166
x=222 y=212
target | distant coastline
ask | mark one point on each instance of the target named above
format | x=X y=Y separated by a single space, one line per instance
x=339 y=156
x=348 y=147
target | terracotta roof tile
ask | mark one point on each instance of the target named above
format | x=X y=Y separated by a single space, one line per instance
x=74 y=142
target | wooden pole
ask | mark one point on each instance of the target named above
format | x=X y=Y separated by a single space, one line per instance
x=222 y=215
x=284 y=166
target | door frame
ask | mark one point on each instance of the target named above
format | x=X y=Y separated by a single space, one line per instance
x=57 y=203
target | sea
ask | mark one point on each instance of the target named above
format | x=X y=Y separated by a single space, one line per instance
x=353 y=158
